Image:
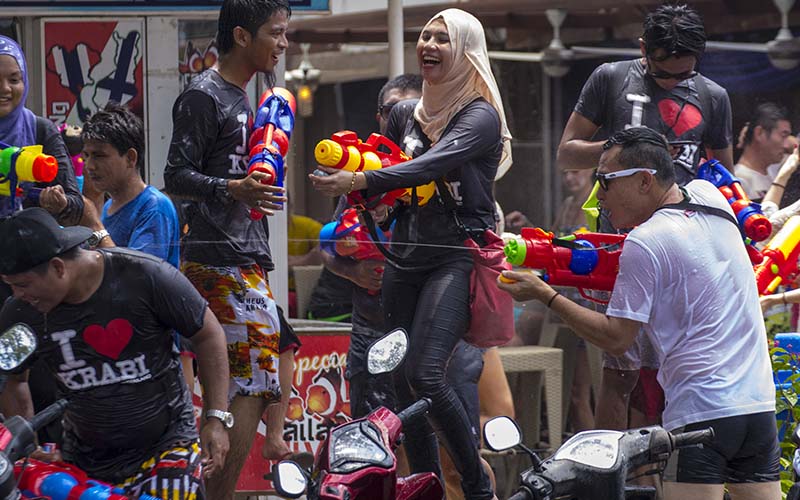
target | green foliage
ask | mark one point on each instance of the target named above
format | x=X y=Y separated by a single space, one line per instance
x=786 y=398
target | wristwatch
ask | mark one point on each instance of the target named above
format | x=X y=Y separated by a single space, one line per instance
x=225 y=417
x=96 y=238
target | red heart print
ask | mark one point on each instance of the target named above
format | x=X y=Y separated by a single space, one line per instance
x=687 y=119
x=111 y=340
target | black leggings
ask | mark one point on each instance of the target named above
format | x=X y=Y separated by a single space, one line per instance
x=433 y=307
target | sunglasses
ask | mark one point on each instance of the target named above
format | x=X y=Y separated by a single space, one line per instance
x=602 y=179
x=666 y=75
x=385 y=110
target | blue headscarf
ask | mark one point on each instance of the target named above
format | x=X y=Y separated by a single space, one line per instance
x=18 y=128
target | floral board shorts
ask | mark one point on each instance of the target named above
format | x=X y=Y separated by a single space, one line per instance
x=172 y=475
x=242 y=301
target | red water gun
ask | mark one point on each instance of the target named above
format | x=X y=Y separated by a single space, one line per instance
x=269 y=142
x=586 y=261
x=346 y=237
x=780 y=258
x=345 y=151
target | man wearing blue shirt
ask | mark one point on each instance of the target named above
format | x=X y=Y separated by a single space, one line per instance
x=136 y=216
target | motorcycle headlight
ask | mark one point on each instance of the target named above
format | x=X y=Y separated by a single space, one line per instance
x=355 y=446
x=593 y=448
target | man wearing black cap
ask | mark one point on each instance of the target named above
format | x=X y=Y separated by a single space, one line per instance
x=103 y=320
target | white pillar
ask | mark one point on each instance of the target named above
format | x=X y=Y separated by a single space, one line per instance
x=278 y=231
x=395 y=30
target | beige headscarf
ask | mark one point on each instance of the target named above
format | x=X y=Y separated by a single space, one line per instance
x=463 y=83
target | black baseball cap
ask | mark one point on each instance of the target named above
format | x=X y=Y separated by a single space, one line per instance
x=32 y=237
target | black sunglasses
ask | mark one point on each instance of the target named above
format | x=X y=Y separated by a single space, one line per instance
x=603 y=178
x=385 y=110
x=666 y=75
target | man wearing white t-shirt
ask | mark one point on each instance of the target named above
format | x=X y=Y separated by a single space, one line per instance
x=765 y=139
x=685 y=279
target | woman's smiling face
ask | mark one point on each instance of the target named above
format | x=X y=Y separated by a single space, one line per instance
x=434 y=52
x=12 y=85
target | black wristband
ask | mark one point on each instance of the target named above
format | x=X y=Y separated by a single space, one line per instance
x=550 y=302
x=779 y=185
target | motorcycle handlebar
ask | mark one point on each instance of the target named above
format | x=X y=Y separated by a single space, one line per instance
x=685 y=439
x=523 y=494
x=421 y=407
x=48 y=415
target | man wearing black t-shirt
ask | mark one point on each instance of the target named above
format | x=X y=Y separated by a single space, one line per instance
x=662 y=91
x=104 y=321
x=226 y=253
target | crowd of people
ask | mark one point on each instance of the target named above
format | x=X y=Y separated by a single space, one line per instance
x=128 y=300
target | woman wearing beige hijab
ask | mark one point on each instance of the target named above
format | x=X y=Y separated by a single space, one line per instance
x=457 y=135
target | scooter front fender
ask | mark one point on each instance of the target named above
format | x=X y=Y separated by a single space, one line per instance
x=422 y=486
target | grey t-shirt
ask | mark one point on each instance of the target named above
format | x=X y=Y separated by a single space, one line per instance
x=619 y=94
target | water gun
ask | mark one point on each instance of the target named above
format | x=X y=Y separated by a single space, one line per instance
x=780 y=258
x=72 y=140
x=62 y=481
x=586 y=261
x=25 y=164
x=753 y=224
x=345 y=151
x=269 y=142
x=346 y=237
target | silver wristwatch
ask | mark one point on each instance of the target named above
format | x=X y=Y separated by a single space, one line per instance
x=225 y=417
x=96 y=238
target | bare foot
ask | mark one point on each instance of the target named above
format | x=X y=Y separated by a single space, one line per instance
x=275 y=449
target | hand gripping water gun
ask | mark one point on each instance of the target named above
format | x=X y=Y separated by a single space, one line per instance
x=753 y=224
x=269 y=142
x=25 y=164
x=346 y=237
x=780 y=258
x=62 y=481
x=344 y=150
x=580 y=260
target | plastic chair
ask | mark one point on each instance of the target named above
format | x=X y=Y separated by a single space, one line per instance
x=305 y=279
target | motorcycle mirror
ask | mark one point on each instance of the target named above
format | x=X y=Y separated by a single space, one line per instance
x=289 y=479
x=386 y=353
x=501 y=433
x=16 y=345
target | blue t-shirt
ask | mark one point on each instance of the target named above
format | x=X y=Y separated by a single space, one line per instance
x=148 y=223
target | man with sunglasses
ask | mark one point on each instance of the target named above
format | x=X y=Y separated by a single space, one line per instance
x=663 y=91
x=686 y=281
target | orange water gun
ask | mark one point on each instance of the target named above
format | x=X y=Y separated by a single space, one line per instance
x=345 y=151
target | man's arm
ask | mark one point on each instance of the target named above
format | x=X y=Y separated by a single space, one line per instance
x=576 y=151
x=725 y=156
x=611 y=334
x=212 y=360
x=364 y=273
x=16 y=397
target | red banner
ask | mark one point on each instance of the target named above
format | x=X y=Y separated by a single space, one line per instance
x=88 y=63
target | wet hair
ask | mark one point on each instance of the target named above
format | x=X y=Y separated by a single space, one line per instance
x=643 y=147
x=677 y=29
x=249 y=14
x=115 y=124
x=767 y=115
x=404 y=83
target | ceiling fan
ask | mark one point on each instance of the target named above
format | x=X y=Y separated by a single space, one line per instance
x=783 y=51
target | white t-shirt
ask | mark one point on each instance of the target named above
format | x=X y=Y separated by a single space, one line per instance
x=687 y=277
x=755 y=184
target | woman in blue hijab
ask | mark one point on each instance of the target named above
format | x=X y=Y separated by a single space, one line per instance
x=19 y=126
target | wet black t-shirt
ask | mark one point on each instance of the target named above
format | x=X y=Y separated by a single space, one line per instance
x=466 y=156
x=619 y=95
x=212 y=120
x=112 y=357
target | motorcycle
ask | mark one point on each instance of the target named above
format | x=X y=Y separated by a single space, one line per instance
x=591 y=464
x=357 y=459
x=30 y=478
